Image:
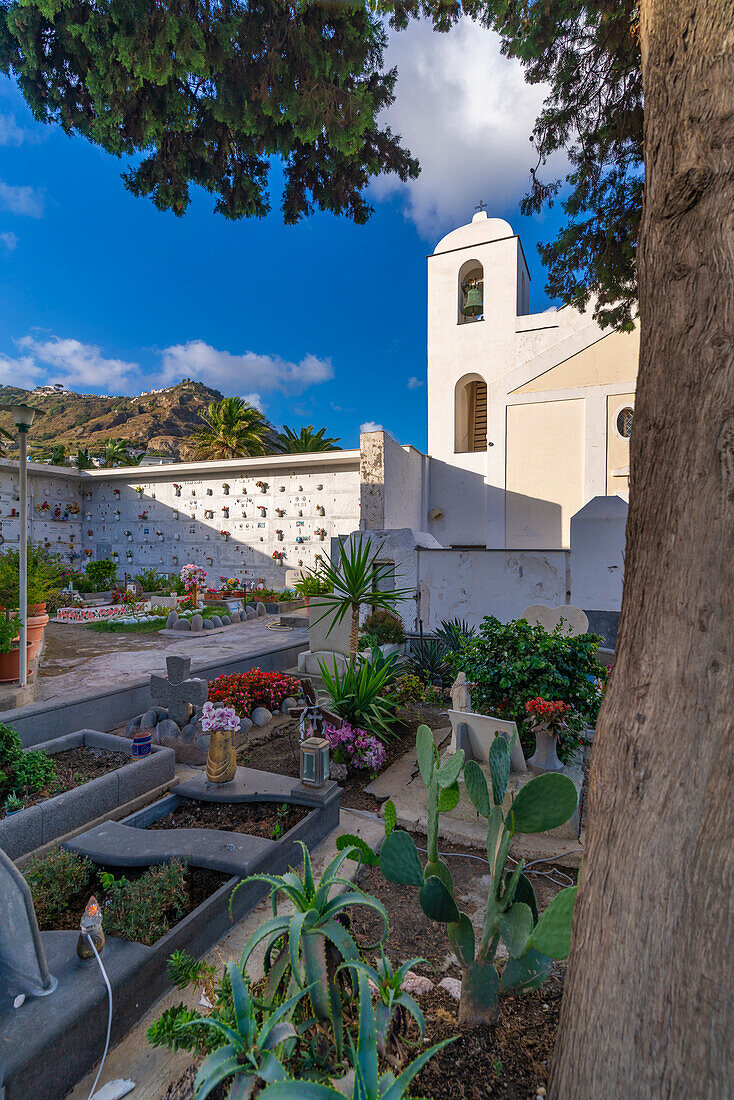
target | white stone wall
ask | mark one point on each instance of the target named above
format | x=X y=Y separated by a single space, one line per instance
x=56 y=527
x=230 y=531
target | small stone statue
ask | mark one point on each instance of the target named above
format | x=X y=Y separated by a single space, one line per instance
x=460 y=697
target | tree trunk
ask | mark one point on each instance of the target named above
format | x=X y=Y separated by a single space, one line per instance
x=354 y=633
x=648 y=1010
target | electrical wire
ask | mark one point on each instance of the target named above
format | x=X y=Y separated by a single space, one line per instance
x=109 y=1015
x=556 y=876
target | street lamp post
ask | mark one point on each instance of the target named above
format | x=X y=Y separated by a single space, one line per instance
x=23 y=415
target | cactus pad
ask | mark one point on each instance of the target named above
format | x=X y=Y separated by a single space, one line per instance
x=436 y=901
x=515 y=927
x=399 y=860
x=450 y=771
x=552 y=933
x=426 y=753
x=499 y=766
x=448 y=798
x=461 y=938
x=544 y=803
x=526 y=973
x=476 y=787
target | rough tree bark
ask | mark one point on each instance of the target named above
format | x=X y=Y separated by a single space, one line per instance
x=648 y=1010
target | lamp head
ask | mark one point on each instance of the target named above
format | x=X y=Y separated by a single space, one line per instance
x=23 y=415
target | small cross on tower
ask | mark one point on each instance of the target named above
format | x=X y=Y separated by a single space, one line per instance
x=312 y=715
x=481 y=206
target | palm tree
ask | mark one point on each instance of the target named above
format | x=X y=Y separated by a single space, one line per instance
x=3 y=436
x=353 y=581
x=233 y=429
x=58 y=455
x=114 y=454
x=84 y=459
x=287 y=442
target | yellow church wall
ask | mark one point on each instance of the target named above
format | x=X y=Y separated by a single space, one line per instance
x=618 y=449
x=544 y=472
x=609 y=361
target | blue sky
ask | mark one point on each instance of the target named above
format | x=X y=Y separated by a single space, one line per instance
x=323 y=322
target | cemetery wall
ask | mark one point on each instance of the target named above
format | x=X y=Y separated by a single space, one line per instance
x=54 y=509
x=249 y=518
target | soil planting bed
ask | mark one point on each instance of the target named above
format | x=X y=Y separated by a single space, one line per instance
x=74 y=767
x=279 y=753
x=200 y=884
x=266 y=819
x=508 y=1062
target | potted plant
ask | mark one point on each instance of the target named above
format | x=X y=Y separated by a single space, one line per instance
x=13 y=804
x=9 y=650
x=547 y=720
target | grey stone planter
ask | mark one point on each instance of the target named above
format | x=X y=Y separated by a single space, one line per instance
x=57 y=817
x=51 y=1042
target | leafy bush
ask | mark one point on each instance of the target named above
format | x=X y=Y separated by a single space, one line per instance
x=45 y=573
x=383 y=628
x=409 y=688
x=54 y=879
x=511 y=663
x=11 y=748
x=33 y=771
x=362 y=695
x=144 y=909
x=151 y=582
x=101 y=574
x=246 y=690
x=311 y=585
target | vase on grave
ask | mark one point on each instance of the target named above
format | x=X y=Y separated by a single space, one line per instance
x=545 y=757
x=221 y=723
x=142 y=744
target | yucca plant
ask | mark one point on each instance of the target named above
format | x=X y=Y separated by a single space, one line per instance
x=307 y=947
x=353 y=581
x=362 y=694
x=249 y=1052
x=454 y=632
x=368 y=1084
x=427 y=659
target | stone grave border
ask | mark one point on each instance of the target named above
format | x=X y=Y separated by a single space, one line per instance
x=67 y=1030
x=36 y=826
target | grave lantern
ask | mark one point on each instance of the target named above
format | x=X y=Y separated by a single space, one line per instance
x=90 y=928
x=314 y=761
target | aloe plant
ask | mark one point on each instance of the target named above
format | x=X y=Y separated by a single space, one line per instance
x=307 y=947
x=393 y=1006
x=511 y=912
x=362 y=694
x=249 y=1053
x=368 y=1084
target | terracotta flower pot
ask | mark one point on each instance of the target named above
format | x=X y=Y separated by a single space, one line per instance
x=10 y=665
x=36 y=609
x=35 y=625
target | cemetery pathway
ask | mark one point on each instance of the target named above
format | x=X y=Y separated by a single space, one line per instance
x=77 y=660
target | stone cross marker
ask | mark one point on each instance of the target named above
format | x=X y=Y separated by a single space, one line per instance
x=23 y=967
x=313 y=714
x=177 y=692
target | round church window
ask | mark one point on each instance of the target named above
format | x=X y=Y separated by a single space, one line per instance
x=624 y=422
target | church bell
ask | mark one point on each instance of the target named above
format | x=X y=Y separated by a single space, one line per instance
x=473 y=304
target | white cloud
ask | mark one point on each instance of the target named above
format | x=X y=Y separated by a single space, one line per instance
x=81 y=366
x=233 y=373
x=13 y=134
x=466 y=113
x=9 y=240
x=22 y=200
x=370 y=426
x=85 y=367
x=415 y=383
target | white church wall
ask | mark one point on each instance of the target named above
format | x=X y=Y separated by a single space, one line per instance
x=393 y=481
x=597 y=554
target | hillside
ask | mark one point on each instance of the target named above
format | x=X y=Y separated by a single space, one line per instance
x=164 y=423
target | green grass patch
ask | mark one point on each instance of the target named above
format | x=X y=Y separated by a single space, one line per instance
x=109 y=626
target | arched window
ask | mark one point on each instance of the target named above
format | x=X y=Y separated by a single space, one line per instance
x=470 y=414
x=624 y=421
x=471 y=292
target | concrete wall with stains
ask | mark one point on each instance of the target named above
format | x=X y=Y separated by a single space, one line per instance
x=469 y=584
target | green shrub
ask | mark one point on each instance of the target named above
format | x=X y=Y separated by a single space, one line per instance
x=54 y=879
x=363 y=694
x=411 y=689
x=11 y=748
x=45 y=573
x=511 y=663
x=34 y=771
x=101 y=574
x=8 y=631
x=144 y=909
x=383 y=628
